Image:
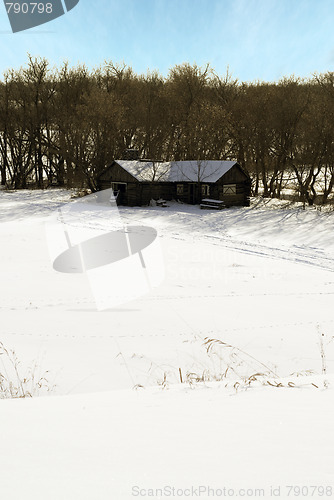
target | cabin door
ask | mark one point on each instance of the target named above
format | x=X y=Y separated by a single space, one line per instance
x=119 y=189
x=193 y=193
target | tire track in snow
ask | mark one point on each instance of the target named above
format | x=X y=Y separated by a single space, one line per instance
x=296 y=254
x=292 y=254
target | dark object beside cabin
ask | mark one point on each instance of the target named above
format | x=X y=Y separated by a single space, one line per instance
x=207 y=203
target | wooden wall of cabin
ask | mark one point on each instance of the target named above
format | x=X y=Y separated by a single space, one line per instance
x=102 y=184
x=183 y=196
x=239 y=198
x=115 y=173
x=132 y=195
x=156 y=190
x=235 y=176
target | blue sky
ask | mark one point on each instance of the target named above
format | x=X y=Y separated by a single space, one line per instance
x=257 y=39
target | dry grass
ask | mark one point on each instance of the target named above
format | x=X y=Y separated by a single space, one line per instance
x=239 y=370
x=15 y=382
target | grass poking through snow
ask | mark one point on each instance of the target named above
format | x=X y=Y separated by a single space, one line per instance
x=16 y=383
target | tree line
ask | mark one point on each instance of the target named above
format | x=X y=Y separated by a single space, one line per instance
x=62 y=126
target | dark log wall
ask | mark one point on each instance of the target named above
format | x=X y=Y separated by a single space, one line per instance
x=156 y=190
x=132 y=195
x=242 y=182
x=115 y=173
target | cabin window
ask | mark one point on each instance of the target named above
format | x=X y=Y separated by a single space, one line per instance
x=205 y=190
x=230 y=189
x=179 y=189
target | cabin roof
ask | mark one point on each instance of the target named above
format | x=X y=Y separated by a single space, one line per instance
x=177 y=171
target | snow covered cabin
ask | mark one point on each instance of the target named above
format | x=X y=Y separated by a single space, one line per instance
x=136 y=182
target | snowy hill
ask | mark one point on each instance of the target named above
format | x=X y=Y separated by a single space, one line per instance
x=256 y=280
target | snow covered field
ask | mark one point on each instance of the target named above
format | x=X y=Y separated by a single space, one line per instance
x=259 y=279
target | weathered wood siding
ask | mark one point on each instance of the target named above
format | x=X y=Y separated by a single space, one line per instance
x=156 y=190
x=235 y=176
x=115 y=173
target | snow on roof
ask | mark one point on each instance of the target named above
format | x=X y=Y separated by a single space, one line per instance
x=177 y=171
x=146 y=170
